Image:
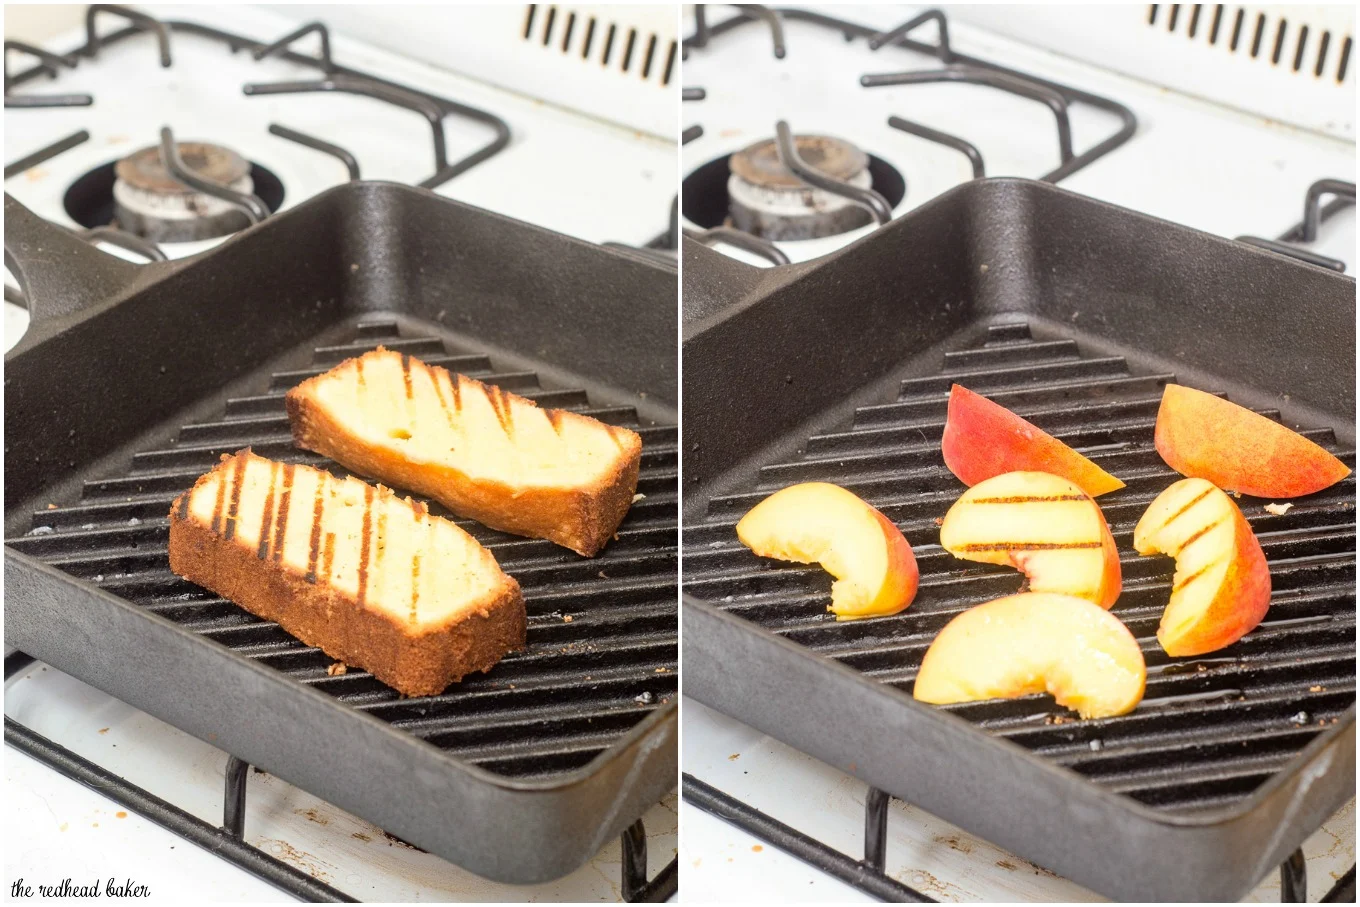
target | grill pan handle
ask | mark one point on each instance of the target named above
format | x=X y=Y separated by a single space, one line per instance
x=59 y=272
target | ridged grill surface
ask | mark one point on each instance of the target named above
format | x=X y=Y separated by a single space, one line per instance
x=1210 y=729
x=602 y=642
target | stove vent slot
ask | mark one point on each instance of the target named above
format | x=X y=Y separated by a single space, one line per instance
x=624 y=49
x=1306 y=49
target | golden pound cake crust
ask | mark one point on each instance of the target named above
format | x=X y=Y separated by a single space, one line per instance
x=580 y=515
x=416 y=660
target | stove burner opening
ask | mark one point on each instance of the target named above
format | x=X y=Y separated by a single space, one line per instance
x=753 y=192
x=137 y=195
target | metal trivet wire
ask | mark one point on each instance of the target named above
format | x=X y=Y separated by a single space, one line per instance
x=228 y=840
x=335 y=78
x=1306 y=230
x=869 y=875
x=956 y=68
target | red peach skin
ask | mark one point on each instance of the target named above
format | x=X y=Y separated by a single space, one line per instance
x=983 y=439
x=1206 y=437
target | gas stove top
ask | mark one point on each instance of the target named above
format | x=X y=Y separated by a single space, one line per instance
x=929 y=116
x=304 y=124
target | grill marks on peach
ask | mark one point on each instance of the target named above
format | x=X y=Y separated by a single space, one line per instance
x=1180 y=513
x=1026 y=546
x=221 y=502
x=406 y=375
x=499 y=399
x=555 y=419
x=415 y=585
x=234 y=507
x=1041 y=524
x=1197 y=536
x=1185 y=581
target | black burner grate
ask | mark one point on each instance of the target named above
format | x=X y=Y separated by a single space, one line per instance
x=1211 y=729
x=602 y=645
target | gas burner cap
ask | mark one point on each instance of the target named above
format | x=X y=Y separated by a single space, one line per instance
x=759 y=164
x=149 y=202
x=765 y=199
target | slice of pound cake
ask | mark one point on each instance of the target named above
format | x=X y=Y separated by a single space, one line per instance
x=371 y=579
x=481 y=451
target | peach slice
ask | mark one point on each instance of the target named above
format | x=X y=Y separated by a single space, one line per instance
x=1043 y=525
x=1222 y=585
x=1036 y=643
x=983 y=439
x=818 y=523
x=1206 y=437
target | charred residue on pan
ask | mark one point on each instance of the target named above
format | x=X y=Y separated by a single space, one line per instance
x=1197 y=536
x=1029 y=499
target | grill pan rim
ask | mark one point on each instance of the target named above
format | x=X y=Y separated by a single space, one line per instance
x=1213 y=816
x=557 y=782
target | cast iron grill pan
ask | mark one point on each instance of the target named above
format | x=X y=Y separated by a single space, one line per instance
x=581 y=684
x=1211 y=729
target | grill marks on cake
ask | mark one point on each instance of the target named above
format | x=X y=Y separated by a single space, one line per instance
x=365 y=538
x=314 y=547
x=183 y=504
x=267 y=515
x=499 y=398
x=555 y=418
x=238 y=476
x=285 y=501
